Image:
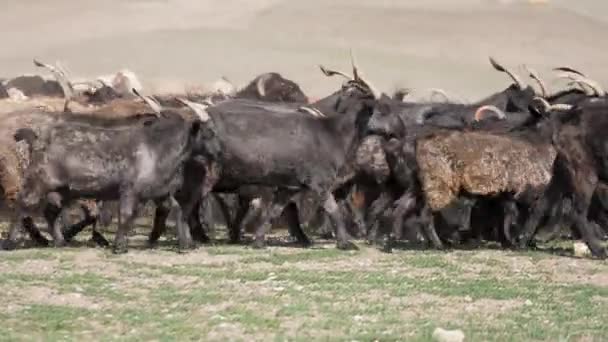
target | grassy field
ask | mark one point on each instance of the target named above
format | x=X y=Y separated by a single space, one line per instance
x=222 y=292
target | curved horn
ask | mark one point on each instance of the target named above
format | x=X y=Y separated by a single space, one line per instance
x=359 y=78
x=354 y=65
x=312 y=111
x=330 y=73
x=535 y=76
x=569 y=69
x=261 y=84
x=199 y=109
x=401 y=93
x=573 y=81
x=555 y=107
x=60 y=76
x=597 y=88
x=155 y=106
x=593 y=85
x=440 y=92
x=521 y=85
x=501 y=115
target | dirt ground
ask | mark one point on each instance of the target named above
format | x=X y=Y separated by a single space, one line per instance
x=235 y=293
x=415 y=43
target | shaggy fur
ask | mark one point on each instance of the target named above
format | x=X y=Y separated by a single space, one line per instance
x=480 y=163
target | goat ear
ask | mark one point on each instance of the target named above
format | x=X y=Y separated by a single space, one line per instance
x=26 y=134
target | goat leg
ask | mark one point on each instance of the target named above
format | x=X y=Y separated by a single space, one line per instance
x=128 y=206
x=429 y=228
x=159 y=227
x=582 y=225
x=537 y=210
x=335 y=215
x=294 y=226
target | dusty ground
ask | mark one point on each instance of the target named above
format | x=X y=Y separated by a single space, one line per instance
x=220 y=293
x=416 y=43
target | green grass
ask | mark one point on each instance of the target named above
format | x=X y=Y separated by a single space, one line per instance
x=222 y=293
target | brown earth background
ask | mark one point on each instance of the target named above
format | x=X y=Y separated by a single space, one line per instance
x=413 y=43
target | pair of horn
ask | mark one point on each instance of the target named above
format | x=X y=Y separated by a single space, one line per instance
x=198 y=108
x=520 y=84
x=593 y=87
x=150 y=101
x=60 y=75
x=356 y=76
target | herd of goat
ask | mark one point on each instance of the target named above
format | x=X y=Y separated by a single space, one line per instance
x=518 y=166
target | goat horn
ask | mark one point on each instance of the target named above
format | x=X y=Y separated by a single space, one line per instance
x=312 y=111
x=155 y=106
x=261 y=84
x=60 y=76
x=573 y=82
x=535 y=76
x=491 y=108
x=597 y=88
x=569 y=69
x=593 y=85
x=198 y=108
x=553 y=107
x=401 y=93
x=354 y=65
x=520 y=84
x=359 y=78
x=330 y=73
x=441 y=92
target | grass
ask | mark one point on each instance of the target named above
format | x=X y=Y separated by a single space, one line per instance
x=226 y=292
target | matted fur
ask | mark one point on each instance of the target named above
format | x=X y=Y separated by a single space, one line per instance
x=13 y=161
x=480 y=163
x=371 y=159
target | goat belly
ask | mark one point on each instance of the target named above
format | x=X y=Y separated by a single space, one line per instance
x=480 y=163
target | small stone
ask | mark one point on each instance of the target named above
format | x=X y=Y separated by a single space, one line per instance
x=528 y=302
x=581 y=250
x=442 y=335
x=468 y=299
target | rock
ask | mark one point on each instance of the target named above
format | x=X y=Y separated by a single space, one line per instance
x=581 y=249
x=442 y=335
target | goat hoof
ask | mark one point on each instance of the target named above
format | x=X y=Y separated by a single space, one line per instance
x=119 y=249
x=201 y=238
x=186 y=245
x=99 y=240
x=347 y=246
x=258 y=244
x=600 y=254
x=8 y=245
x=387 y=248
x=327 y=236
x=59 y=243
x=306 y=244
